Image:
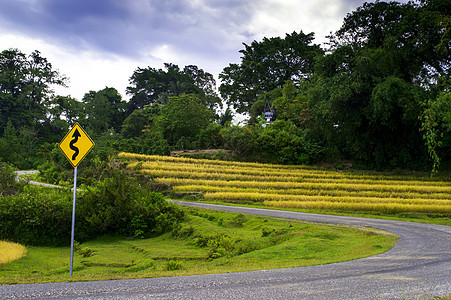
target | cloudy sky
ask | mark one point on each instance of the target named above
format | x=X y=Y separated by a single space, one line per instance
x=99 y=43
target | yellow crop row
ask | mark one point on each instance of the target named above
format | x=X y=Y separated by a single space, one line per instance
x=280 y=175
x=202 y=188
x=278 y=182
x=261 y=197
x=142 y=157
x=295 y=186
x=390 y=208
x=164 y=161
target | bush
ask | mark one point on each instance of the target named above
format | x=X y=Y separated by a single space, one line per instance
x=117 y=204
x=174 y=265
x=8 y=184
x=38 y=216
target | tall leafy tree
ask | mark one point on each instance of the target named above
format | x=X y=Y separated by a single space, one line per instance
x=183 y=118
x=104 y=110
x=369 y=90
x=436 y=128
x=417 y=35
x=65 y=111
x=150 y=85
x=26 y=89
x=267 y=65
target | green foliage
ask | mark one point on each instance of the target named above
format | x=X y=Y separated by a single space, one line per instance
x=436 y=125
x=368 y=112
x=141 y=121
x=8 y=183
x=120 y=204
x=105 y=111
x=148 y=144
x=283 y=142
x=183 y=119
x=292 y=104
x=209 y=137
x=241 y=140
x=149 y=86
x=174 y=265
x=279 y=142
x=10 y=149
x=116 y=204
x=267 y=65
x=37 y=216
x=25 y=89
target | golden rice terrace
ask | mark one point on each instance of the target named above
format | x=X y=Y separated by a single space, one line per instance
x=299 y=187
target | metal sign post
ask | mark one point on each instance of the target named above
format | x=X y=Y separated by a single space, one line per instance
x=73 y=224
x=75 y=146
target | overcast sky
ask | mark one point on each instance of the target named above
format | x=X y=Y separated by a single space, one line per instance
x=99 y=43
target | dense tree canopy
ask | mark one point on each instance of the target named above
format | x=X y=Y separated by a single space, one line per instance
x=267 y=65
x=379 y=96
x=183 y=118
x=104 y=110
x=150 y=85
x=370 y=89
x=26 y=89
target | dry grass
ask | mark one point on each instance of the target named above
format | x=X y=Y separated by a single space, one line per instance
x=10 y=252
x=297 y=187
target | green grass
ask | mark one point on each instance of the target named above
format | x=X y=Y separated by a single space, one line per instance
x=207 y=242
x=430 y=218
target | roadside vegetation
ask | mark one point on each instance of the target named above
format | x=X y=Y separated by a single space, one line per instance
x=125 y=229
x=205 y=242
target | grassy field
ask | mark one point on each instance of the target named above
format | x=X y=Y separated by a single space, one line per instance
x=207 y=242
x=414 y=197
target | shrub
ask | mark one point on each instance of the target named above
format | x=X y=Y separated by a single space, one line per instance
x=38 y=216
x=8 y=184
x=120 y=204
x=117 y=204
x=174 y=265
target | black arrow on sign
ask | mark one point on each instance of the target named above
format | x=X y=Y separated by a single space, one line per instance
x=76 y=135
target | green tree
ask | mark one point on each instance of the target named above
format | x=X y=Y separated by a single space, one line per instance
x=141 y=120
x=267 y=65
x=150 y=85
x=65 y=111
x=436 y=128
x=26 y=89
x=369 y=90
x=365 y=111
x=293 y=104
x=417 y=35
x=104 y=110
x=183 y=119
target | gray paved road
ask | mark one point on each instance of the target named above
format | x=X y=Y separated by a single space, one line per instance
x=419 y=266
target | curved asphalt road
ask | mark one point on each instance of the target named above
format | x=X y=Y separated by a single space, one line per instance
x=418 y=267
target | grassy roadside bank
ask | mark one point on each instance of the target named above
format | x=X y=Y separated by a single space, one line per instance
x=207 y=242
x=439 y=219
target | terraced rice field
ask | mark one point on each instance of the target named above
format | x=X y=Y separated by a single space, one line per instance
x=296 y=186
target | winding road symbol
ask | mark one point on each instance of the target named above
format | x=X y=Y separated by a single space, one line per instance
x=76 y=145
x=76 y=135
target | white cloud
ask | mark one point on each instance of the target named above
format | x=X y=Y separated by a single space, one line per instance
x=85 y=69
x=100 y=43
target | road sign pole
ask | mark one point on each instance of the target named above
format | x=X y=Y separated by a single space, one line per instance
x=75 y=145
x=73 y=223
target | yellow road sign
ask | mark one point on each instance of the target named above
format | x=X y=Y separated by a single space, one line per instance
x=76 y=145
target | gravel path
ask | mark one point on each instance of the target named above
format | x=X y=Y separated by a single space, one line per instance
x=418 y=267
